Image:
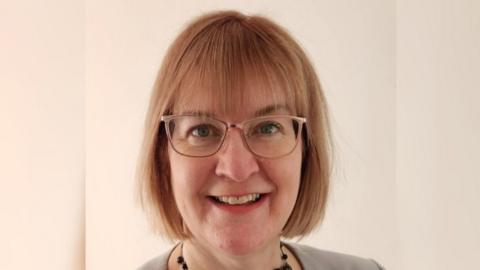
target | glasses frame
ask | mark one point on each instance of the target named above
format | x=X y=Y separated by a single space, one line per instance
x=167 y=118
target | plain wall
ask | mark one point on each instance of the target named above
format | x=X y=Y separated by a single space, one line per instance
x=401 y=79
x=42 y=135
x=438 y=131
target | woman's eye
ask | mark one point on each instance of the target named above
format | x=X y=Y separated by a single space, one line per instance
x=201 y=131
x=269 y=128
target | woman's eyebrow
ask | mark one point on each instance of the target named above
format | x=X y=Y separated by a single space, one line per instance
x=263 y=111
x=270 y=109
x=198 y=113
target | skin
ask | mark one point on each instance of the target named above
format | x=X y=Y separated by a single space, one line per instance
x=224 y=240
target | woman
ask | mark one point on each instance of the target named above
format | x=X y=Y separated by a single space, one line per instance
x=236 y=150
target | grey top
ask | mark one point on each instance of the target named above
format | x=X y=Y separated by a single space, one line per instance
x=309 y=257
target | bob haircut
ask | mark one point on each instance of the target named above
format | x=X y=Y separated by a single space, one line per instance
x=218 y=54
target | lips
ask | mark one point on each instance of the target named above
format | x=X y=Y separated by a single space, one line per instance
x=242 y=204
x=238 y=200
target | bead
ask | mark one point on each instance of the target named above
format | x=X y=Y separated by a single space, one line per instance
x=284 y=256
x=180 y=259
x=184 y=266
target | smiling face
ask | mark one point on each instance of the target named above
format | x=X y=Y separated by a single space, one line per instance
x=228 y=175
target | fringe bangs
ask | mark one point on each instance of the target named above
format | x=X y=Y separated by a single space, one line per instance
x=229 y=66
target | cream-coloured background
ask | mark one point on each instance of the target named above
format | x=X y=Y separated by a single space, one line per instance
x=42 y=129
x=400 y=78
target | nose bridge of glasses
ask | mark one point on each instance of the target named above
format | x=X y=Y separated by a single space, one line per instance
x=235 y=137
x=233 y=129
x=237 y=126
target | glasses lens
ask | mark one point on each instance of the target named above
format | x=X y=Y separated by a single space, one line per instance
x=195 y=135
x=273 y=136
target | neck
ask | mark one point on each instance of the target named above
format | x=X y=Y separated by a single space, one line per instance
x=199 y=257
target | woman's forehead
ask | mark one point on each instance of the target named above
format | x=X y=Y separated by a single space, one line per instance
x=250 y=102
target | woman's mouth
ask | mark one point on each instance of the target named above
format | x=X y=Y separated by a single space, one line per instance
x=238 y=200
x=239 y=204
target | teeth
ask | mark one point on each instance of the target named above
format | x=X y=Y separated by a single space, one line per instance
x=239 y=200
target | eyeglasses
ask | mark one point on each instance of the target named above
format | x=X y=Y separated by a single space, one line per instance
x=269 y=136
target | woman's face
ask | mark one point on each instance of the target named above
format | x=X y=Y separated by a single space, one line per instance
x=235 y=171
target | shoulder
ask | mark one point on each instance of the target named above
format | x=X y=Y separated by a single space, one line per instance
x=310 y=257
x=313 y=258
x=157 y=263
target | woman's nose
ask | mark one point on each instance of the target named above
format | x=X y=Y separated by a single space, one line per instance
x=235 y=161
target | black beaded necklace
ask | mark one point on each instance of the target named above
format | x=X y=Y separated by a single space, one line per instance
x=285 y=266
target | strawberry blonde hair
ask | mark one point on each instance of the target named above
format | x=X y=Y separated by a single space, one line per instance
x=219 y=53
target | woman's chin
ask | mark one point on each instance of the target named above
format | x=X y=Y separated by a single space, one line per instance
x=241 y=244
x=238 y=249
